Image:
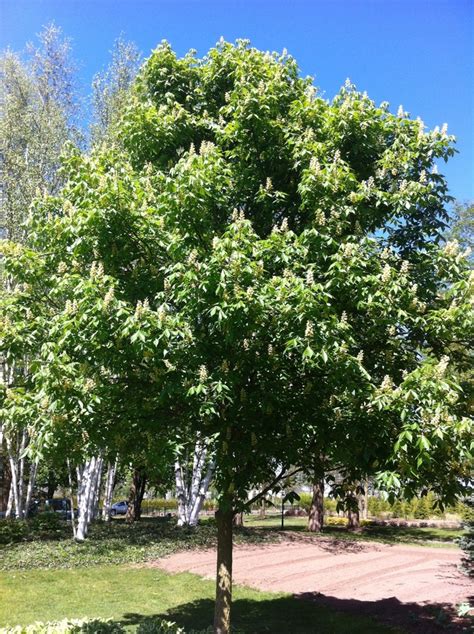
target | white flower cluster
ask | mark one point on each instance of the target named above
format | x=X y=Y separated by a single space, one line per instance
x=309 y=277
x=405 y=267
x=192 y=257
x=70 y=307
x=62 y=268
x=386 y=254
x=315 y=165
x=360 y=356
x=400 y=112
x=442 y=367
x=381 y=173
x=206 y=147
x=451 y=248
x=423 y=178
x=203 y=374
x=403 y=185
x=109 y=297
x=387 y=384
x=246 y=344
x=270 y=350
x=268 y=184
x=309 y=330
x=343 y=318
x=284 y=225
x=392 y=331
x=444 y=129
x=421 y=127
x=89 y=384
x=368 y=184
x=386 y=274
x=320 y=218
x=97 y=270
x=141 y=308
x=348 y=249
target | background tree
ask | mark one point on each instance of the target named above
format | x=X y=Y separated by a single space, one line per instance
x=39 y=112
x=111 y=91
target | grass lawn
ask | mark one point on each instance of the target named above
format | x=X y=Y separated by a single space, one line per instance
x=152 y=538
x=387 y=534
x=130 y=595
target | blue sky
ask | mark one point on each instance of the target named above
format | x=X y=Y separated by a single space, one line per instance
x=419 y=53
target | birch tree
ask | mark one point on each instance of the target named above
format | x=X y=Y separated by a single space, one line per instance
x=193 y=475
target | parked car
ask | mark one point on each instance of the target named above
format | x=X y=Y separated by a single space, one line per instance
x=60 y=506
x=119 y=508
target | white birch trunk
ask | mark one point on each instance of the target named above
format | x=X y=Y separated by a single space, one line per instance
x=9 y=511
x=109 y=489
x=86 y=498
x=180 y=493
x=201 y=495
x=14 y=482
x=31 y=485
x=96 y=488
x=191 y=491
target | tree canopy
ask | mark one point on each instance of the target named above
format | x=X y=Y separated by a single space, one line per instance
x=255 y=264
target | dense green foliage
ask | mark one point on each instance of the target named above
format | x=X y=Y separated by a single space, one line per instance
x=295 y=321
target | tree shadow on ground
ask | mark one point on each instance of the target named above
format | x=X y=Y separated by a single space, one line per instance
x=313 y=613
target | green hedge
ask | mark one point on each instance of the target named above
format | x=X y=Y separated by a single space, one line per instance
x=157 y=505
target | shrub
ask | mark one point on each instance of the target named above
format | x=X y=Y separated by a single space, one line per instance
x=12 y=531
x=46 y=523
x=74 y=626
x=422 y=511
x=336 y=521
x=159 y=627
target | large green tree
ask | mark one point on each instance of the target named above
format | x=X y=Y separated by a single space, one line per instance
x=258 y=266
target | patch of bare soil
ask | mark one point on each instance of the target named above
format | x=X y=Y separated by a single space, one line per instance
x=416 y=588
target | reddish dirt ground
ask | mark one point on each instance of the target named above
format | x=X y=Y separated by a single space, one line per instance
x=391 y=582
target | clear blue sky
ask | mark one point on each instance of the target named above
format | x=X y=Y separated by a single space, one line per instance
x=416 y=52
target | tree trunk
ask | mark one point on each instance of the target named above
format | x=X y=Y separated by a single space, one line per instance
x=180 y=493
x=109 y=489
x=51 y=484
x=5 y=484
x=239 y=519
x=316 y=511
x=353 y=517
x=31 y=486
x=88 y=480
x=201 y=495
x=135 y=498
x=224 y=518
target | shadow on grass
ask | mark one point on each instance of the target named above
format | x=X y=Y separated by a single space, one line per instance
x=315 y=613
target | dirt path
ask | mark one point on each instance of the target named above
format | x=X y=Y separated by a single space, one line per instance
x=363 y=577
